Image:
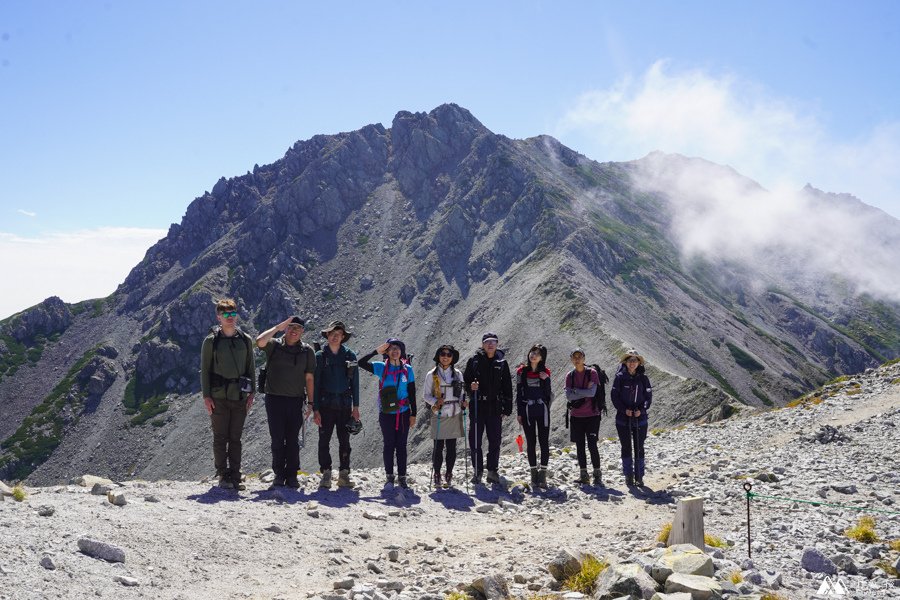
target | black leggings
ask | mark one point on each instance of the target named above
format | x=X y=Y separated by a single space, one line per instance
x=536 y=428
x=628 y=437
x=395 y=430
x=438 y=457
x=585 y=429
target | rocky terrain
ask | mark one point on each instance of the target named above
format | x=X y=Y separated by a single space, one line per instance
x=435 y=230
x=828 y=453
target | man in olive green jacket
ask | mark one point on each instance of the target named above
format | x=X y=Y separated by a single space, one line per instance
x=227 y=381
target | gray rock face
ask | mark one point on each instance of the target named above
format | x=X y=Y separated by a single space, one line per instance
x=492 y=587
x=566 y=563
x=815 y=562
x=624 y=579
x=101 y=550
x=699 y=587
x=49 y=317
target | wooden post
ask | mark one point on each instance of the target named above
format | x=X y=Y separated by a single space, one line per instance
x=687 y=528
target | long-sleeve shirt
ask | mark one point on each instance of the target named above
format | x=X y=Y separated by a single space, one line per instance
x=444 y=389
x=631 y=392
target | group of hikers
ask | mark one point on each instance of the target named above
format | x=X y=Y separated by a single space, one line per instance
x=298 y=380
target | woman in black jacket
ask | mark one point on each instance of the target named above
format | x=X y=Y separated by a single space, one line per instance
x=533 y=400
x=631 y=395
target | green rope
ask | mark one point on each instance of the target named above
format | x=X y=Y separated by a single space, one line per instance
x=753 y=496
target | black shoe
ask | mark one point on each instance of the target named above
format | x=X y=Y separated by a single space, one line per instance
x=476 y=479
x=629 y=480
x=292 y=482
x=403 y=482
x=639 y=481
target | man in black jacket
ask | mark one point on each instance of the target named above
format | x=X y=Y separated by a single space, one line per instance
x=488 y=381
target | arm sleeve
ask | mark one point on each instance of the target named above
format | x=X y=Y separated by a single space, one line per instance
x=468 y=375
x=355 y=383
x=310 y=360
x=547 y=390
x=520 y=397
x=364 y=361
x=250 y=364
x=411 y=389
x=615 y=393
x=648 y=393
x=317 y=382
x=428 y=390
x=205 y=370
x=506 y=390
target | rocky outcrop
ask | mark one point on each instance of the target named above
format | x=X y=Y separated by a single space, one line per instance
x=47 y=318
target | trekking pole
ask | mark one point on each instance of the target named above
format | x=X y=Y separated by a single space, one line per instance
x=466 y=446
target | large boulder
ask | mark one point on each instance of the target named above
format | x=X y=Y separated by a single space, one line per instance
x=682 y=558
x=492 y=587
x=566 y=563
x=622 y=580
x=815 y=562
x=699 y=587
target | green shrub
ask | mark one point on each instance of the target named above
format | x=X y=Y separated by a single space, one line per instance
x=583 y=581
x=715 y=542
x=863 y=531
x=18 y=493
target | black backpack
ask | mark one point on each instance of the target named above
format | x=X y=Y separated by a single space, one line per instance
x=598 y=402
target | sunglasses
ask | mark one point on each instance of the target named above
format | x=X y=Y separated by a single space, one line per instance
x=445 y=353
x=229 y=315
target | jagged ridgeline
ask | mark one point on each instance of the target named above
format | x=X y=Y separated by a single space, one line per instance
x=432 y=231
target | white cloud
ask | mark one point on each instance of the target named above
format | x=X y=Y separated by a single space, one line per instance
x=794 y=235
x=74 y=265
x=729 y=120
x=27 y=213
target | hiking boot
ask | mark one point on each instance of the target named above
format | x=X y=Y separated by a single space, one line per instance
x=389 y=479
x=448 y=479
x=542 y=478
x=629 y=480
x=403 y=483
x=583 y=478
x=225 y=482
x=292 y=482
x=492 y=477
x=238 y=484
x=639 y=480
x=325 y=483
x=344 y=480
x=437 y=480
x=476 y=479
x=598 y=478
x=535 y=477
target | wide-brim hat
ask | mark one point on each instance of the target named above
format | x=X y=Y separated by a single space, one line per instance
x=337 y=325
x=633 y=353
x=453 y=351
x=399 y=344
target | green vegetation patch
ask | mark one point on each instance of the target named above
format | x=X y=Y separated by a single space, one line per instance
x=743 y=359
x=722 y=381
x=144 y=402
x=41 y=432
x=762 y=396
x=585 y=580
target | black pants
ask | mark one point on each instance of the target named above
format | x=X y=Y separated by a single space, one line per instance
x=535 y=428
x=585 y=430
x=285 y=416
x=628 y=437
x=438 y=456
x=492 y=425
x=227 y=421
x=334 y=418
x=395 y=431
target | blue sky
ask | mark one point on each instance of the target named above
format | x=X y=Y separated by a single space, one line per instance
x=115 y=115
